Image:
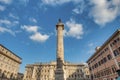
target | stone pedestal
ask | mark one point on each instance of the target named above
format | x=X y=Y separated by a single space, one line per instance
x=60 y=74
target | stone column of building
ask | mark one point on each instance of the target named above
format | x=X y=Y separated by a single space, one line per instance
x=51 y=72
x=59 y=73
x=34 y=73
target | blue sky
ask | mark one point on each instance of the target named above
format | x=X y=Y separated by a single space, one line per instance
x=27 y=27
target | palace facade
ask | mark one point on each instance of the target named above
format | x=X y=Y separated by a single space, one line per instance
x=106 y=60
x=46 y=71
x=9 y=64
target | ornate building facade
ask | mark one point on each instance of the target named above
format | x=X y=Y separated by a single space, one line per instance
x=46 y=71
x=58 y=70
x=9 y=64
x=106 y=60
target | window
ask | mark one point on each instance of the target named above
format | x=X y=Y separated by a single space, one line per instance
x=90 y=68
x=99 y=63
x=106 y=49
x=102 y=73
x=118 y=39
x=105 y=73
x=115 y=41
x=109 y=56
x=96 y=65
x=119 y=48
x=104 y=59
x=114 y=69
x=88 y=63
x=111 y=45
x=116 y=53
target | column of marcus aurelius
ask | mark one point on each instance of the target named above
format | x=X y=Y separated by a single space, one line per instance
x=60 y=72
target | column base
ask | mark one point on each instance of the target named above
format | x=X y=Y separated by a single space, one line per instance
x=60 y=74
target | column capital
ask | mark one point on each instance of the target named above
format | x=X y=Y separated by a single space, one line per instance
x=59 y=24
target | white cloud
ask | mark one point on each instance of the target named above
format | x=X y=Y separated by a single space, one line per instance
x=6 y=1
x=2 y=8
x=58 y=2
x=80 y=7
x=6 y=26
x=7 y=22
x=3 y=30
x=91 y=48
x=13 y=16
x=76 y=10
x=90 y=44
x=39 y=37
x=33 y=20
x=24 y=2
x=30 y=28
x=54 y=2
x=75 y=29
x=15 y=23
x=91 y=51
x=36 y=36
x=104 y=11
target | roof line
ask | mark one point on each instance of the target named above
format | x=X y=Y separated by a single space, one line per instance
x=106 y=42
x=10 y=51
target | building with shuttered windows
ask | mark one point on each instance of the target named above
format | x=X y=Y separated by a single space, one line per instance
x=106 y=59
